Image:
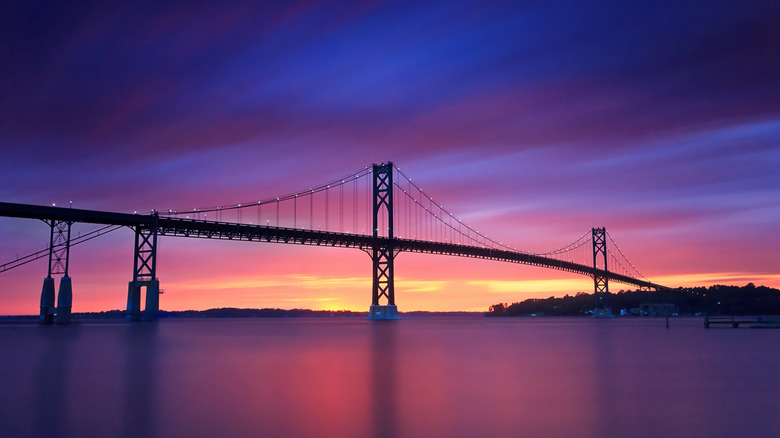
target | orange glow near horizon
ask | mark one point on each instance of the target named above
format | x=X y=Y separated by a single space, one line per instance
x=197 y=275
x=423 y=282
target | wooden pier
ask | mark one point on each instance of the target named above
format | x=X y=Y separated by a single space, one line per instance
x=735 y=321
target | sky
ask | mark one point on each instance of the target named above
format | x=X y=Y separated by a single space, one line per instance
x=533 y=121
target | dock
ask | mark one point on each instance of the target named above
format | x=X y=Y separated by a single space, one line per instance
x=734 y=321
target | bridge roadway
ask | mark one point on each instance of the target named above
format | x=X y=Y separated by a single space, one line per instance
x=194 y=228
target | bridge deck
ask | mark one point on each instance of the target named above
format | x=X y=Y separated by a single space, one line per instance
x=171 y=226
x=42 y=212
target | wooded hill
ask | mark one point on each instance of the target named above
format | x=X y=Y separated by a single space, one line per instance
x=717 y=300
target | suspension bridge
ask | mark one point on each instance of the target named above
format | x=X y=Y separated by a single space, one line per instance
x=378 y=210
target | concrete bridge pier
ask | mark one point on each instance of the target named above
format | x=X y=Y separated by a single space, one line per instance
x=64 y=301
x=47 y=301
x=378 y=312
x=134 y=301
x=152 y=307
x=152 y=300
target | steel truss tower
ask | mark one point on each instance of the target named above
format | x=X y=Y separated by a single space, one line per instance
x=144 y=273
x=600 y=279
x=382 y=251
x=59 y=261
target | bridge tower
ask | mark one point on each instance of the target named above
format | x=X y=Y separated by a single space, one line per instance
x=59 y=261
x=600 y=279
x=382 y=251
x=144 y=273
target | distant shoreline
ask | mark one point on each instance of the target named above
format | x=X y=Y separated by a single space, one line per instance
x=231 y=312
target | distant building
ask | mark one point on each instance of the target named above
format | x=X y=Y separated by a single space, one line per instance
x=658 y=309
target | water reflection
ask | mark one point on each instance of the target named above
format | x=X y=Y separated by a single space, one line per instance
x=410 y=378
x=605 y=373
x=140 y=377
x=50 y=411
x=383 y=388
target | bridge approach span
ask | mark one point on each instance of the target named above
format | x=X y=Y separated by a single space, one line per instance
x=73 y=215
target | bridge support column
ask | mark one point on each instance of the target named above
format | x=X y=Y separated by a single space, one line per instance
x=600 y=280
x=47 y=301
x=383 y=312
x=383 y=254
x=152 y=300
x=64 y=301
x=134 y=301
x=152 y=307
x=144 y=274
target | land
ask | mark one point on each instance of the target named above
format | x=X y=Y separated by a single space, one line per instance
x=713 y=300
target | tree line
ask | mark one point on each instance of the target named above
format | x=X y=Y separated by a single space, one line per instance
x=715 y=300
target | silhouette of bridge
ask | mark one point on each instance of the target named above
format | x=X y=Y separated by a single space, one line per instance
x=378 y=210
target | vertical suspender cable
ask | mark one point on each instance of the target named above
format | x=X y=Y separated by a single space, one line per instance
x=354 y=205
x=327 y=205
x=408 y=221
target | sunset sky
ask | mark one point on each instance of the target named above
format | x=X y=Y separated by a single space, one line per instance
x=533 y=121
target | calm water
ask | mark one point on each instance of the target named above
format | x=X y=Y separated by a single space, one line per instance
x=425 y=377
